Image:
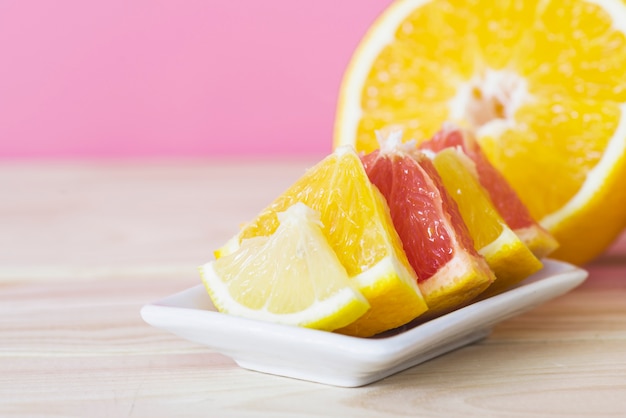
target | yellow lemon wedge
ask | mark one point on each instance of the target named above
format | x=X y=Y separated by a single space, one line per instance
x=291 y=277
x=509 y=258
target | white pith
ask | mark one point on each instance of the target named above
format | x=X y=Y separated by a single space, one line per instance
x=383 y=32
x=477 y=100
x=507 y=236
x=387 y=266
x=392 y=143
x=455 y=270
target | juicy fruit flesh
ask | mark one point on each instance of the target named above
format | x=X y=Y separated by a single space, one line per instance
x=539 y=156
x=483 y=221
x=266 y=272
x=300 y=245
x=386 y=174
x=359 y=228
x=291 y=277
x=358 y=237
x=561 y=80
x=436 y=240
x=509 y=258
x=421 y=220
x=504 y=198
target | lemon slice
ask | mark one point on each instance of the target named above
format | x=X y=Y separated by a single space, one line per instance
x=509 y=258
x=292 y=277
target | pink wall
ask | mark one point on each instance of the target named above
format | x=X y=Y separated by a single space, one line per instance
x=179 y=78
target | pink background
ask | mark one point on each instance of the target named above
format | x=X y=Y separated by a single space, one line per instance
x=139 y=78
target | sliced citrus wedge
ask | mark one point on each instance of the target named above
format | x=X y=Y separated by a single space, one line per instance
x=292 y=277
x=542 y=83
x=359 y=228
x=509 y=258
x=502 y=195
x=438 y=245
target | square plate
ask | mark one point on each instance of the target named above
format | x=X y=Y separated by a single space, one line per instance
x=341 y=360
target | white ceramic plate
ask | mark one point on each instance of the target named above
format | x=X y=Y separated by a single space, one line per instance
x=341 y=360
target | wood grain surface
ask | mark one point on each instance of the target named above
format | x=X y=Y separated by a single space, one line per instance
x=84 y=245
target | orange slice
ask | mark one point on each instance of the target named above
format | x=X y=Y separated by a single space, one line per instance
x=542 y=83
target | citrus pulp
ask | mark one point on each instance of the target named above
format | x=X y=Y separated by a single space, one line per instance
x=358 y=227
x=438 y=245
x=509 y=258
x=542 y=83
x=291 y=277
x=502 y=195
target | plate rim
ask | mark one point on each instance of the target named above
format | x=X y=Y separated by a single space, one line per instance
x=375 y=353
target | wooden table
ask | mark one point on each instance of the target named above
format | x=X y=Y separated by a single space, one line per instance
x=83 y=245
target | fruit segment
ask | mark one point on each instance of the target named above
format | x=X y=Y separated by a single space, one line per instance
x=358 y=227
x=503 y=197
x=362 y=245
x=292 y=277
x=509 y=258
x=438 y=245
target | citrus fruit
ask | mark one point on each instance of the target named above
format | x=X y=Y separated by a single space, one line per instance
x=509 y=258
x=358 y=227
x=437 y=243
x=291 y=277
x=542 y=83
x=503 y=197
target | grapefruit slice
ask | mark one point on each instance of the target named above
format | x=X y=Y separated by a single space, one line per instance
x=437 y=243
x=503 y=197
